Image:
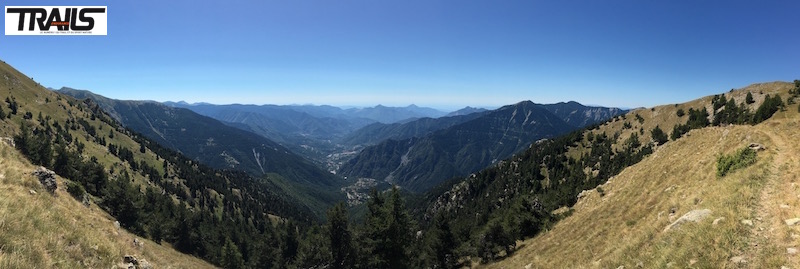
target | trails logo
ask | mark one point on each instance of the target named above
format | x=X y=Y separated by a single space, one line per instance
x=56 y=20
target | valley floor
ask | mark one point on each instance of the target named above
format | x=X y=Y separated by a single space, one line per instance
x=750 y=224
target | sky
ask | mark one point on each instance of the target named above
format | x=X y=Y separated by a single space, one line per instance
x=442 y=54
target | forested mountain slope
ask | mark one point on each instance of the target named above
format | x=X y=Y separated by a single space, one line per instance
x=379 y=132
x=527 y=194
x=223 y=217
x=210 y=141
x=423 y=162
x=41 y=230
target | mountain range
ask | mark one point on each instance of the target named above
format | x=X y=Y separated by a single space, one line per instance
x=464 y=144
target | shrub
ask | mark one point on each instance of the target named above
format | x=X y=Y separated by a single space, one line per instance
x=75 y=189
x=658 y=135
x=740 y=159
x=680 y=112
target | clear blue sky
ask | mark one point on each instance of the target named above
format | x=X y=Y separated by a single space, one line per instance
x=445 y=54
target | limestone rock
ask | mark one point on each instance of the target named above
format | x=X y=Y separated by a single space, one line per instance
x=738 y=259
x=757 y=147
x=747 y=222
x=692 y=216
x=717 y=220
x=47 y=178
x=792 y=222
x=791 y=251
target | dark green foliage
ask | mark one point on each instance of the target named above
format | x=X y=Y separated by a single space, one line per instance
x=732 y=114
x=387 y=232
x=639 y=118
x=314 y=250
x=75 y=189
x=231 y=257
x=35 y=144
x=13 y=105
x=767 y=109
x=658 y=135
x=718 y=101
x=749 y=98
x=740 y=159
x=290 y=243
x=697 y=119
x=443 y=243
x=2 y=113
x=680 y=112
x=123 y=200
x=495 y=239
x=341 y=242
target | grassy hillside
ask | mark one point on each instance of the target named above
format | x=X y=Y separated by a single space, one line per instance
x=622 y=222
x=45 y=231
x=221 y=216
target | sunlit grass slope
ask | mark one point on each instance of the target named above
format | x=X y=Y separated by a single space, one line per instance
x=45 y=231
x=624 y=225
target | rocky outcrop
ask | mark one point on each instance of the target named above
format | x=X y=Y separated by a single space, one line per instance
x=47 y=178
x=131 y=262
x=692 y=216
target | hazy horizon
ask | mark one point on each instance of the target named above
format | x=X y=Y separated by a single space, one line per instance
x=443 y=54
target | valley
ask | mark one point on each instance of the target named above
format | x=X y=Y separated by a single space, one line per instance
x=400 y=134
x=498 y=188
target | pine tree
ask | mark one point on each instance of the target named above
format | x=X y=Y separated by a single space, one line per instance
x=443 y=243
x=231 y=258
x=749 y=98
x=342 y=251
x=400 y=233
x=658 y=135
x=290 y=243
x=375 y=241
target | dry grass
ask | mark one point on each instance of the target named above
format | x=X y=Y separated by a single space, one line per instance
x=625 y=227
x=44 y=231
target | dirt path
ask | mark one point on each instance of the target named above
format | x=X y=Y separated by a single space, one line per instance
x=771 y=240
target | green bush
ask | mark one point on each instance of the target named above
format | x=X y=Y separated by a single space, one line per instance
x=75 y=189
x=740 y=159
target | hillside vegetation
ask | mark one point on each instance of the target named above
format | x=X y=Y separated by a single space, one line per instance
x=748 y=212
x=224 y=217
x=40 y=230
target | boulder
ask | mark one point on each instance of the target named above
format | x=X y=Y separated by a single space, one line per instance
x=756 y=147
x=692 y=216
x=47 y=178
x=130 y=259
x=747 y=222
x=738 y=259
x=792 y=222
